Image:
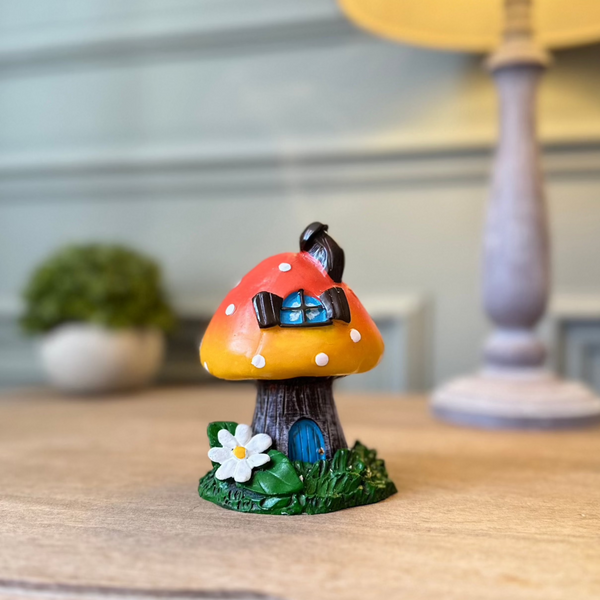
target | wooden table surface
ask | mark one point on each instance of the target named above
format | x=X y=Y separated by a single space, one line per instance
x=101 y=493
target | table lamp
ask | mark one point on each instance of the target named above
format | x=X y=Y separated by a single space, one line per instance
x=513 y=389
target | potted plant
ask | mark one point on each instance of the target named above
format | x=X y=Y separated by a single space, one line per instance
x=102 y=315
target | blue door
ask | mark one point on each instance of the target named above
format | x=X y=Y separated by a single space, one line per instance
x=306 y=442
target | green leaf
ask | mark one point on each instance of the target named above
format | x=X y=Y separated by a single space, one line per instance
x=277 y=478
x=340 y=460
x=213 y=431
x=273 y=502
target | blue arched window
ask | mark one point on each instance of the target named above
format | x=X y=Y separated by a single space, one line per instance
x=302 y=310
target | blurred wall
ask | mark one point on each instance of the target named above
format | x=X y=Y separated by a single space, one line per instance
x=210 y=132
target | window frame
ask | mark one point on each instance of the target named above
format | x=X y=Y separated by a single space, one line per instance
x=304 y=308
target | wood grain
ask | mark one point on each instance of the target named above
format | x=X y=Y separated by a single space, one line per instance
x=102 y=492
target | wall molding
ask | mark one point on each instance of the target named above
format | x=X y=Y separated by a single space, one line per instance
x=572 y=331
x=400 y=317
x=403 y=321
x=154 y=171
x=207 y=28
x=19 y=363
x=573 y=334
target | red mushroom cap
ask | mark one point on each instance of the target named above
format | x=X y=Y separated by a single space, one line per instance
x=236 y=347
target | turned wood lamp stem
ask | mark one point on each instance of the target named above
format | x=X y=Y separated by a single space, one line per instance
x=516 y=277
x=514 y=390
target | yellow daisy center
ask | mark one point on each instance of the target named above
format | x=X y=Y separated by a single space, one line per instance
x=240 y=452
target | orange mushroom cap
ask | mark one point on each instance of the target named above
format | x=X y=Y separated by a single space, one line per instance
x=235 y=347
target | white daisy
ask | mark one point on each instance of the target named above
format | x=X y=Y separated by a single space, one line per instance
x=240 y=453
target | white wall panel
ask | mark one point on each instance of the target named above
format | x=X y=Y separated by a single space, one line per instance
x=209 y=133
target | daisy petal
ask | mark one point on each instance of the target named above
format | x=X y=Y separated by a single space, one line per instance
x=219 y=455
x=226 y=470
x=227 y=440
x=259 y=443
x=243 y=433
x=256 y=460
x=243 y=472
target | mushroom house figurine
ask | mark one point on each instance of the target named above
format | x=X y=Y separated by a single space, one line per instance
x=292 y=325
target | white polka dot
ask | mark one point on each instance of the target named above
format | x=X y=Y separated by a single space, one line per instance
x=230 y=309
x=321 y=359
x=259 y=361
x=355 y=335
x=284 y=267
x=206 y=366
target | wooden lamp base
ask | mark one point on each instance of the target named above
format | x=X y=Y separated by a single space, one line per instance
x=518 y=399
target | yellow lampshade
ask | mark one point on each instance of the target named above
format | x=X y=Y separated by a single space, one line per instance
x=473 y=25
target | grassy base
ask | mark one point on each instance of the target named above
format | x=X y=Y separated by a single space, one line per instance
x=352 y=478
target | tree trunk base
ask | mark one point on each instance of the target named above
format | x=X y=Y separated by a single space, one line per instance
x=281 y=403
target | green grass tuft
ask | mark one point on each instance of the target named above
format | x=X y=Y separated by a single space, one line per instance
x=352 y=478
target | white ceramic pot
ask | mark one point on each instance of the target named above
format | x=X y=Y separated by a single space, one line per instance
x=89 y=359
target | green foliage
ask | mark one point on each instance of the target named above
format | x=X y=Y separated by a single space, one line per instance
x=108 y=285
x=352 y=478
x=276 y=478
